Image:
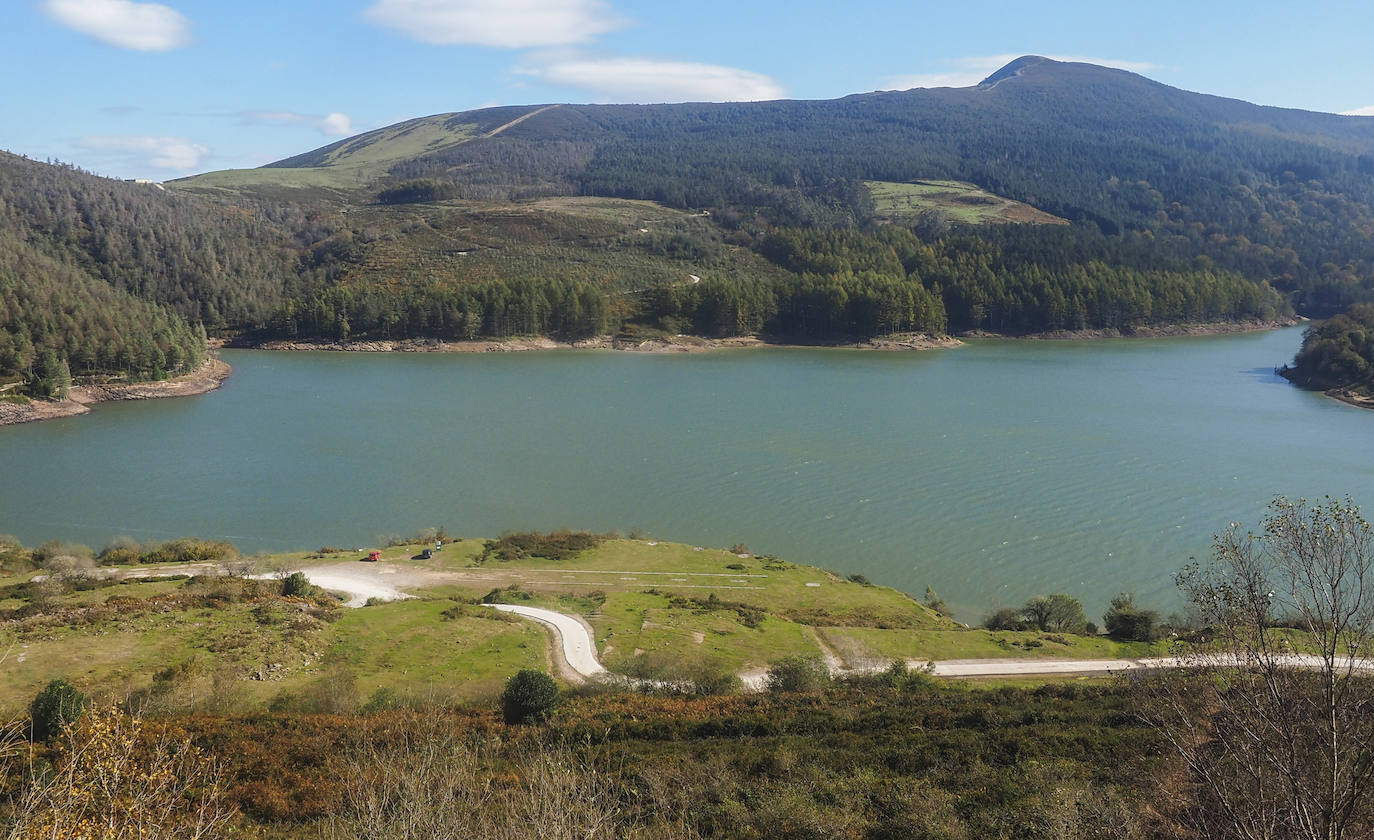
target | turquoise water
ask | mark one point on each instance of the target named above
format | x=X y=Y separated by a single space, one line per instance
x=992 y=472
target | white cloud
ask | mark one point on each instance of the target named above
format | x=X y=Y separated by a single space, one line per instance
x=652 y=80
x=330 y=125
x=336 y=125
x=122 y=23
x=514 y=24
x=972 y=69
x=176 y=153
x=1366 y=111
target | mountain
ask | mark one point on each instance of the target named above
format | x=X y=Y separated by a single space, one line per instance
x=1140 y=205
x=1274 y=194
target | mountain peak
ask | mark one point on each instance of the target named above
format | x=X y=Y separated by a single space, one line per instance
x=1014 y=68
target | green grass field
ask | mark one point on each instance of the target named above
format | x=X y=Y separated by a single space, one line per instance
x=962 y=202
x=354 y=166
x=656 y=608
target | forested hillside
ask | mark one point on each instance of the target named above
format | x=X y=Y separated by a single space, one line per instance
x=1274 y=194
x=710 y=219
x=109 y=279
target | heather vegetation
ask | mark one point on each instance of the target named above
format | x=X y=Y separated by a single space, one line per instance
x=894 y=752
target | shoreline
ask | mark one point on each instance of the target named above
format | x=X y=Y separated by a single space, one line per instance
x=1350 y=397
x=676 y=344
x=698 y=344
x=1160 y=331
x=213 y=372
x=207 y=378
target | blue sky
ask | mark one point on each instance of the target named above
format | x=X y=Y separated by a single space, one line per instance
x=162 y=90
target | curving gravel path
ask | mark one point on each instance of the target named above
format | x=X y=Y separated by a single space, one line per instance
x=575 y=638
x=577 y=642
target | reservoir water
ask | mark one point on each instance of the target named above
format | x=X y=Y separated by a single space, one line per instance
x=991 y=472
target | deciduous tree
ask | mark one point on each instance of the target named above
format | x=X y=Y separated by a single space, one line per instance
x=1275 y=720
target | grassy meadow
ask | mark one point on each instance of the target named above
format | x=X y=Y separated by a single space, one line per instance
x=169 y=636
x=960 y=201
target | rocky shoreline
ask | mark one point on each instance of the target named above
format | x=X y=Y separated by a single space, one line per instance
x=1161 y=331
x=213 y=373
x=675 y=344
x=207 y=378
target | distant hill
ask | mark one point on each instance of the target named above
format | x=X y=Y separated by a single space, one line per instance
x=1274 y=194
x=1052 y=196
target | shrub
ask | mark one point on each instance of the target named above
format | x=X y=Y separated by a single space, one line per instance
x=710 y=680
x=190 y=551
x=110 y=779
x=57 y=705
x=1057 y=613
x=559 y=545
x=14 y=557
x=299 y=586
x=1127 y=621
x=1005 y=618
x=937 y=605
x=122 y=551
x=529 y=696
x=663 y=673
x=793 y=674
x=56 y=550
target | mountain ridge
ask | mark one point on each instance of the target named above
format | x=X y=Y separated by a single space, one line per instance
x=1160 y=206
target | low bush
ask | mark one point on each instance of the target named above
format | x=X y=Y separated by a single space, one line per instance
x=1128 y=622
x=297 y=585
x=1004 y=618
x=1057 y=613
x=529 y=697
x=559 y=545
x=797 y=674
x=122 y=551
x=57 y=705
x=190 y=551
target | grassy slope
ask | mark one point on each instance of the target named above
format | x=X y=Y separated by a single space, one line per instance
x=341 y=170
x=630 y=591
x=963 y=202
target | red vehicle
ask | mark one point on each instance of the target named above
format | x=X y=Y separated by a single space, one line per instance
x=372 y=557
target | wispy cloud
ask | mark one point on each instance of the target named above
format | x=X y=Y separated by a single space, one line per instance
x=150 y=27
x=330 y=125
x=141 y=151
x=972 y=69
x=653 y=80
x=1366 y=111
x=513 y=24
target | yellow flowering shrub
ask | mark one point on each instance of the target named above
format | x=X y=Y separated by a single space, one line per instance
x=111 y=781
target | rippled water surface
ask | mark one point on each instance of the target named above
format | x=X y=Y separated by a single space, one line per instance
x=992 y=472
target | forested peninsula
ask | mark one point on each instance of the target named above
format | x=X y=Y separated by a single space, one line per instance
x=1337 y=357
x=1052 y=198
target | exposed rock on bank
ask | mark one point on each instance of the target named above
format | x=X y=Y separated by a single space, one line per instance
x=207 y=378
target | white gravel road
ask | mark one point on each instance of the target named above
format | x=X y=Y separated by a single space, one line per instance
x=577 y=642
x=362 y=583
x=359 y=584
